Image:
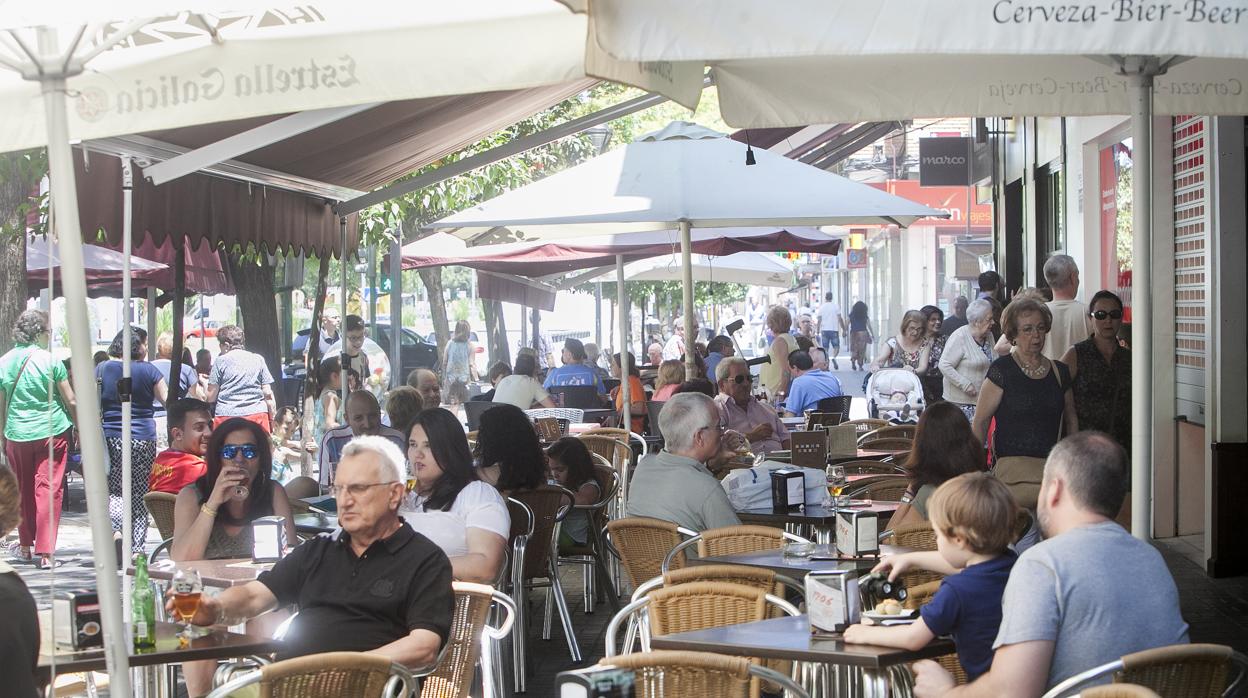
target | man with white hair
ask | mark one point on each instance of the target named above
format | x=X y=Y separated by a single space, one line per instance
x=675 y=484
x=1071 y=323
x=1088 y=595
x=374 y=585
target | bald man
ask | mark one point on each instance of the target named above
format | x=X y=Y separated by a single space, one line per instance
x=363 y=419
x=426 y=383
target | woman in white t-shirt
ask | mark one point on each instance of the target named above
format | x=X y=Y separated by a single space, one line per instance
x=521 y=388
x=465 y=517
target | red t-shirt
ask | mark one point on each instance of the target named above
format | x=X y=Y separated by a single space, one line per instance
x=173 y=470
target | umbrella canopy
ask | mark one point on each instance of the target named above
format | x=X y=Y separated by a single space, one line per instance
x=548 y=258
x=808 y=62
x=753 y=268
x=160 y=65
x=102 y=265
x=682 y=174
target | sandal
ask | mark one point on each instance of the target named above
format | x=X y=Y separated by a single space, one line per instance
x=48 y=563
x=17 y=552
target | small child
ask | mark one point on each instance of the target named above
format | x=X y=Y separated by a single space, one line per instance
x=973 y=516
x=572 y=467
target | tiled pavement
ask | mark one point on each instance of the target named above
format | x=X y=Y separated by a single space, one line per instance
x=1216 y=609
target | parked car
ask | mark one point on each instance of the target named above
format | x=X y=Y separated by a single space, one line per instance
x=414 y=351
x=209 y=328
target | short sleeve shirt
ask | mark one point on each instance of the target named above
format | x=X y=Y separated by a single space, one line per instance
x=674 y=488
x=829 y=317
x=356 y=604
x=1029 y=418
x=478 y=505
x=144 y=378
x=337 y=439
x=26 y=395
x=968 y=606
x=733 y=416
x=521 y=391
x=1096 y=593
x=240 y=377
x=809 y=388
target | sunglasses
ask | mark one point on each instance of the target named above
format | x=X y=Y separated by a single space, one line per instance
x=248 y=450
x=740 y=379
x=1111 y=314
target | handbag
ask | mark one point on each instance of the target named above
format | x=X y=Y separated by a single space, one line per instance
x=1022 y=474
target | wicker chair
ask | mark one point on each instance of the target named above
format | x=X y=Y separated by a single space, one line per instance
x=565 y=415
x=918 y=536
x=870 y=424
x=894 y=431
x=643 y=545
x=1119 y=690
x=452 y=678
x=890 y=444
x=871 y=467
x=327 y=675
x=617 y=453
x=160 y=504
x=885 y=489
x=917 y=596
x=730 y=540
x=695 y=606
x=593 y=555
x=1178 y=671
x=536 y=515
x=698 y=675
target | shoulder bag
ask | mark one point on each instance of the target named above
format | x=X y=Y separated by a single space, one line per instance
x=1022 y=474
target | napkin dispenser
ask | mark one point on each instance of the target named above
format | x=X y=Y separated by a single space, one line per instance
x=268 y=535
x=857 y=533
x=809 y=449
x=595 y=682
x=77 y=615
x=833 y=602
x=788 y=489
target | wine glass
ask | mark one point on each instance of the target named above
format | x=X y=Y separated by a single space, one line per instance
x=187 y=590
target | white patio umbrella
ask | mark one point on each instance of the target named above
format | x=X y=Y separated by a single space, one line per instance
x=147 y=65
x=683 y=176
x=753 y=268
x=806 y=62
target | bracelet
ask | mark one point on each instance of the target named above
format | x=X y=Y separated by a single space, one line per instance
x=204 y=508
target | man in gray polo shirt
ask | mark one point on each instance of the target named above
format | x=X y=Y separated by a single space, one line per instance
x=1086 y=596
x=674 y=484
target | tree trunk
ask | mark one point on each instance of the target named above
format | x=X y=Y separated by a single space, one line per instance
x=253 y=284
x=432 y=278
x=14 y=190
x=496 y=331
x=179 y=313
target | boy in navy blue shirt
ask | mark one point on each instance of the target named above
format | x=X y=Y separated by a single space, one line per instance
x=973 y=516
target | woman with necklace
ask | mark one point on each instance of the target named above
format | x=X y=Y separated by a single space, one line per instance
x=1100 y=372
x=1030 y=397
x=909 y=349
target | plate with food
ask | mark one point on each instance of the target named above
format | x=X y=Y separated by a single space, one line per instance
x=891 y=612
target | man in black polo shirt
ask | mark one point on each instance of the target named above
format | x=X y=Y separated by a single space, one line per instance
x=374 y=586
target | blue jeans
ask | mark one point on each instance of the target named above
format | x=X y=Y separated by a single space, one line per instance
x=831 y=339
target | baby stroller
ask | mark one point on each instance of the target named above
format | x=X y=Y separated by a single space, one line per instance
x=895 y=394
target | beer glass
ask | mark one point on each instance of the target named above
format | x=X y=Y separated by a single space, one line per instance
x=187 y=590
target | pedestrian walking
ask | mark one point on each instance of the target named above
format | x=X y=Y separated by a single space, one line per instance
x=831 y=325
x=147 y=387
x=37 y=408
x=240 y=384
x=860 y=335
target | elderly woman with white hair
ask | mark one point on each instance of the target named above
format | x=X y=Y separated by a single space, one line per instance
x=968 y=354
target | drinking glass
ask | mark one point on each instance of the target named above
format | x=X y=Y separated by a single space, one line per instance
x=187 y=590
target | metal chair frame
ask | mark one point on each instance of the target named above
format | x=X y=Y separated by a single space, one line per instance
x=787 y=685
x=680 y=548
x=895 y=431
x=402 y=681
x=594 y=564
x=634 y=607
x=1065 y=688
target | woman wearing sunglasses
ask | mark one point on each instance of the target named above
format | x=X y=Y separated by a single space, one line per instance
x=212 y=517
x=1100 y=370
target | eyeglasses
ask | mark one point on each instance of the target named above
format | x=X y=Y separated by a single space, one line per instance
x=1111 y=314
x=248 y=450
x=357 y=489
x=719 y=429
x=739 y=379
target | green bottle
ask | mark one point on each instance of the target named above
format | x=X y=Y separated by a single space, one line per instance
x=142 y=607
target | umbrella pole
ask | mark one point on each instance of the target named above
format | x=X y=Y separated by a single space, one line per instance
x=686 y=261
x=342 y=260
x=396 y=309
x=123 y=390
x=621 y=300
x=1142 y=301
x=74 y=285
